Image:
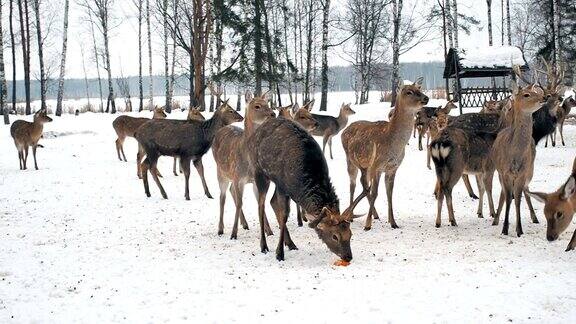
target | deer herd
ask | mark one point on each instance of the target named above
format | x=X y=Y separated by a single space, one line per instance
x=500 y=139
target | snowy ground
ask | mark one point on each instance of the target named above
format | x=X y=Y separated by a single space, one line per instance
x=80 y=242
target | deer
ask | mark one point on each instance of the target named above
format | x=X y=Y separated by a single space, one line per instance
x=187 y=140
x=378 y=147
x=126 y=126
x=26 y=134
x=233 y=165
x=329 y=126
x=193 y=114
x=286 y=111
x=437 y=123
x=559 y=208
x=561 y=115
x=284 y=153
x=514 y=151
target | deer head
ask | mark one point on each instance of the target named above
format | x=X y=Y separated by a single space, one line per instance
x=285 y=112
x=528 y=99
x=410 y=96
x=346 y=110
x=333 y=229
x=258 y=110
x=304 y=118
x=159 y=113
x=228 y=114
x=559 y=208
x=195 y=114
x=41 y=116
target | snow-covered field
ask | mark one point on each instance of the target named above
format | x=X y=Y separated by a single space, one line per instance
x=80 y=242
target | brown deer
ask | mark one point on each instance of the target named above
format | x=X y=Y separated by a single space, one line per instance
x=329 y=126
x=193 y=114
x=126 y=126
x=514 y=151
x=233 y=164
x=378 y=147
x=437 y=123
x=26 y=134
x=561 y=115
x=284 y=153
x=285 y=112
x=559 y=208
x=187 y=140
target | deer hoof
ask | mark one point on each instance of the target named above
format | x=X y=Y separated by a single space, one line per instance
x=473 y=196
x=394 y=226
x=220 y=232
x=233 y=236
x=209 y=195
x=437 y=225
x=367 y=228
x=480 y=215
x=453 y=223
x=280 y=256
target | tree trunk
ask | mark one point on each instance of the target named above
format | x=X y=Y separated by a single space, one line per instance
x=556 y=32
x=166 y=57
x=97 y=59
x=258 y=59
x=24 y=33
x=13 y=43
x=63 y=60
x=455 y=26
x=140 y=85
x=151 y=79
x=36 y=4
x=449 y=24
x=309 y=45
x=111 y=99
x=324 y=74
x=397 y=12
x=85 y=77
x=492 y=79
x=3 y=90
x=509 y=30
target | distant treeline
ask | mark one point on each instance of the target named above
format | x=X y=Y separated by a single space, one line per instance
x=341 y=79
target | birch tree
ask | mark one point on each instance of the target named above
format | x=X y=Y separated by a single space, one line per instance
x=150 y=76
x=3 y=90
x=13 y=47
x=63 y=60
x=324 y=73
x=397 y=19
x=40 y=40
x=25 y=42
x=140 y=7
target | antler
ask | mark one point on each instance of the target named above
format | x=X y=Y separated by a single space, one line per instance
x=518 y=73
x=554 y=75
x=216 y=92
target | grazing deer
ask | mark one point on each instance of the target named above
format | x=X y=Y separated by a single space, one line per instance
x=126 y=126
x=26 y=134
x=187 y=140
x=233 y=164
x=329 y=126
x=193 y=114
x=559 y=208
x=284 y=153
x=378 y=147
x=514 y=151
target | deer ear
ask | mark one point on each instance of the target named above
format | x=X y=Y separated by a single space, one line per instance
x=569 y=188
x=314 y=223
x=310 y=105
x=248 y=96
x=419 y=81
x=540 y=196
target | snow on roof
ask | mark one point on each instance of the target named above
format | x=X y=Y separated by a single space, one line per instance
x=491 y=56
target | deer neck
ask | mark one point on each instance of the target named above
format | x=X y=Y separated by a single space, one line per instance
x=400 y=127
x=342 y=120
x=521 y=129
x=212 y=125
x=249 y=126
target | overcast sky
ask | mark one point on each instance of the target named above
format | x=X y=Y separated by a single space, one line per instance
x=124 y=38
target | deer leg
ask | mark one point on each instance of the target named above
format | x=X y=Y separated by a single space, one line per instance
x=562 y=132
x=25 y=156
x=262 y=183
x=428 y=158
x=487 y=178
x=572 y=243
x=242 y=218
x=185 y=163
x=223 y=183
x=389 y=180
x=299 y=216
x=352 y=174
x=139 y=157
x=34 y=155
x=533 y=216
x=508 y=198
x=324 y=142
x=375 y=183
x=200 y=169
x=481 y=190
x=501 y=201
x=118 y=145
x=330 y=147
x=448 y=194
x=366 y=188
x=546 y=144
x=267 y=228
x=153 y=167
x=122 y=149
x=440 y=201
x=466 y=180
x=20 y=159
x=553 y=138
x=238 y=192
x=174 y=166
x=420 y=136
x=517 y=200
x=144 y=175
x=281 y=204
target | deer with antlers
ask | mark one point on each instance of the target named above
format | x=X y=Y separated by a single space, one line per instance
x=233 y=165
x=559 y=208
x=378 y=147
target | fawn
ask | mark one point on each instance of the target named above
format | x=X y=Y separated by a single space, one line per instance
x=126 y=126
x=559 y=208
x=26 y=134
x=378 y=147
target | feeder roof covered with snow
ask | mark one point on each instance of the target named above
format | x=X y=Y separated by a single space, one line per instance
x=479 y=62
